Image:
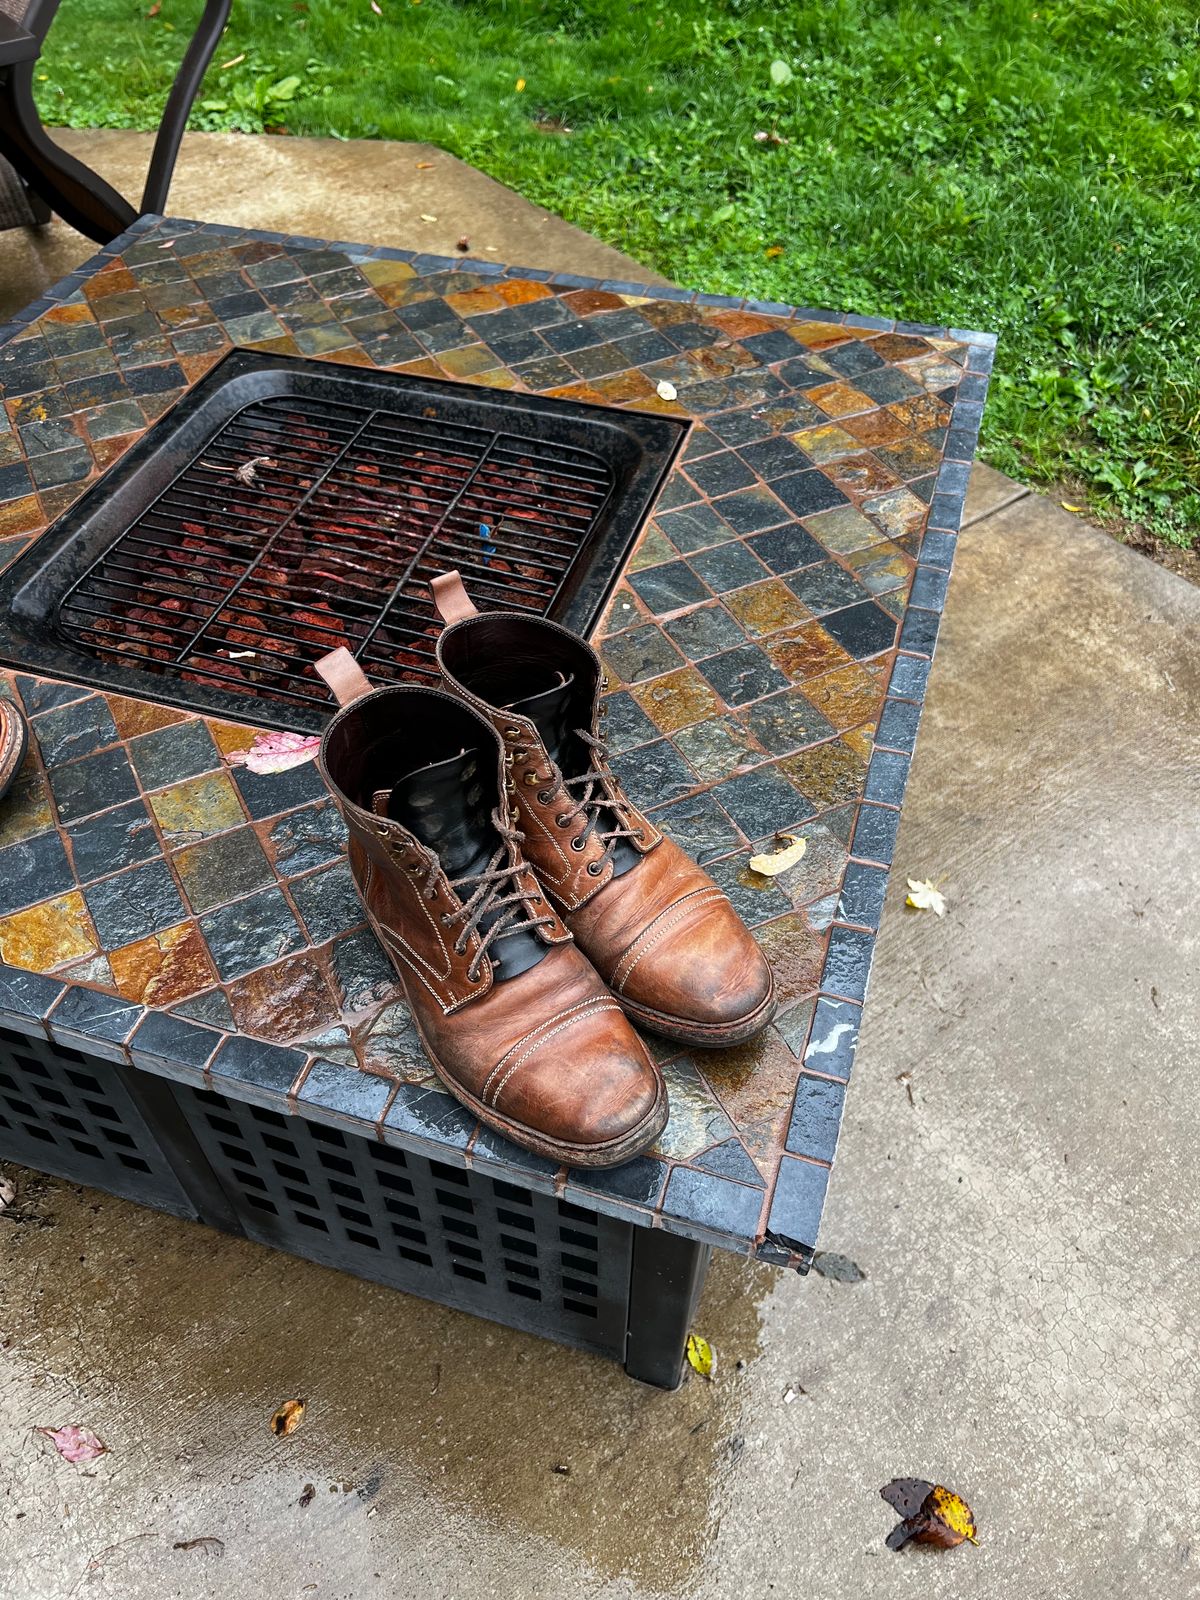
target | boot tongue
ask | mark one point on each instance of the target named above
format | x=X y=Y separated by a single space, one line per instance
x=446 y=806
x=555 y=716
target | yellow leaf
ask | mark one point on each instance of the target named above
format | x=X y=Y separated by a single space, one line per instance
x=288 y=1418
x=954 y=1511
x=700 y=1355
x=425 y=217
x=234 y=61
x=773 y=250
x=520 y=85
x=780 y=860
x=1078 y=510
x=923 y=896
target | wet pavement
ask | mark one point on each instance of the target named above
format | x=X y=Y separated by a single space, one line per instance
x=1014 y=1183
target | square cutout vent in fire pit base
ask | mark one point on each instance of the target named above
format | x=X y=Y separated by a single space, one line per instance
x=285 y=507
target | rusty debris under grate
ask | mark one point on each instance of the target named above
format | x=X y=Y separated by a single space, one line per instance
x=286 y=507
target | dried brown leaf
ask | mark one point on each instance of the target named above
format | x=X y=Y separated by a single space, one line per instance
x=288 y=1418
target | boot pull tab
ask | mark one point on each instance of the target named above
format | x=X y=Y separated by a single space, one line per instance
x=451 y=598
x=345 y=678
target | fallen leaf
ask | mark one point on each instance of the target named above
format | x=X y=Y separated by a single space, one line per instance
x=376 y=8
x=207 y=1543
x=8 y=1193
x=700 y=1355
x=307 y=1495
x=781 y=74
x=520 y=85
x=288 y=1418
x=932 y=1514
x=425 y=217
x=276 y=752
x=1078 y=510
x=74 y=1442
x=424 y=166
x=922 y=896
x=248 y=471
x=234 y=61
x=666 y=391
x=772 y=251
x=770 y=866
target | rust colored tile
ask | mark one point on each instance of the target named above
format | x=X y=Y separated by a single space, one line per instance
x=69 y=316
x=48 y=935
x=668 y=313
x=899 y=346
x=469 y=360
x=198 y=808
x=194 y=367
x=795 y=955
x=766 y=607
x=21 y=516
x=106 y=451
x=403 y=294
x=921 y=412
x=819 y=335
x=472 y=302
x=914 y=458
x=876 y=427
x=386 y=272
x=718 y=360
x=861 y=740
x=285 y=1001
x=189 y=315
x=805 y=652
x=935 y=372
x=351 y=356
x=839 y=399
x=56 y=501
x=140 y=716
x=520 y=291
x=741 y=324
x=862 y=474
x=755 y=1084
x=829 y=774
x=825 y=443
x=578 y=391
x=881 y=568
x=231 y=736
x=424 y=367
x=112 y=279
x=848 y=696
x=624 y=387
x=164 y=969
x=678 y=700
x=284 y=345
x=584 y=301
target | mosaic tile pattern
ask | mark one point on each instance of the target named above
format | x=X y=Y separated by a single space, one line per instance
x=768 y=649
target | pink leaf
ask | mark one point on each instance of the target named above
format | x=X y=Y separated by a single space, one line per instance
x=74 y=1442
x=277 y=752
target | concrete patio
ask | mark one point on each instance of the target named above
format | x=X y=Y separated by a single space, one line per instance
x=1014 y=1181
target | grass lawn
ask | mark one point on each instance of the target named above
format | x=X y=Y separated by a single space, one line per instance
x=1032 y=168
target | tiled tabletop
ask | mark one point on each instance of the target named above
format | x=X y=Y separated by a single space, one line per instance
x=768 y=649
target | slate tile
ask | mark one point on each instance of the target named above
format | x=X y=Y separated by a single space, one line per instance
x=251 y=933
x=77 y=729
x=328 y=902
x=728 y=566
x=668 y=588
x=93 y=784
x=120 y=837
x=797 y=1205
x=863 y=630
x=710 y=1202
x=35 y=869
x=215 y=871
x=268 y=794
x=699 y=826
x=861 y=899
x=742 y=674
x=704 y=631
x=825 y=588
x=653 y=773
x=173 y=1046
x=806 y=493
x=169 y=755
x=134 y=904
x=249 y=1069
x=786 y=549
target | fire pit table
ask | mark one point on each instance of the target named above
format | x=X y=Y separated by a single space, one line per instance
x=224 y=452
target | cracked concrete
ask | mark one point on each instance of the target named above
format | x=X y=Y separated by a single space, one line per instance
x=1026 y=1219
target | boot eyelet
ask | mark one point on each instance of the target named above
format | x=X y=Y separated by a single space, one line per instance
x=577 y=843
x=512 y=733
x=530 y=779
x=561 y=820
x=595 y=868
x=639 y=833
x=545 y=796
x=519 y=755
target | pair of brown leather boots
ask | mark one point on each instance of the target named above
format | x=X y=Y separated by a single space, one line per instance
x=529 y=908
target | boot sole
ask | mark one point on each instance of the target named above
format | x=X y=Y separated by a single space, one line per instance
x=611 y=1154
x=701 y=1035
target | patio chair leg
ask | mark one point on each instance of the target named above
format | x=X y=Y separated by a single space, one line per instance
x=79 y=195
x=179 y=104
x=665 y=1283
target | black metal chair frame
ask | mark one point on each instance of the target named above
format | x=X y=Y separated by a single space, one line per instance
x=59 y=181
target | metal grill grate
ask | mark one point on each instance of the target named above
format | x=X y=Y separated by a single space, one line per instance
x=63 y=1113
x=285 y=508
x=462 y=1238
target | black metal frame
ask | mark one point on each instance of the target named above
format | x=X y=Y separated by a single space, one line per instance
x=379 y=1210
x=58 y=181
x=60 y=594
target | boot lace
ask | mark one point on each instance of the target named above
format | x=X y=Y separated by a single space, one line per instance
x=484 y=893
x=591 y=794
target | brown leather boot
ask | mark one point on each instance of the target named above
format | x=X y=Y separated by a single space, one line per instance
x=657 y=928
x=517 y=1024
